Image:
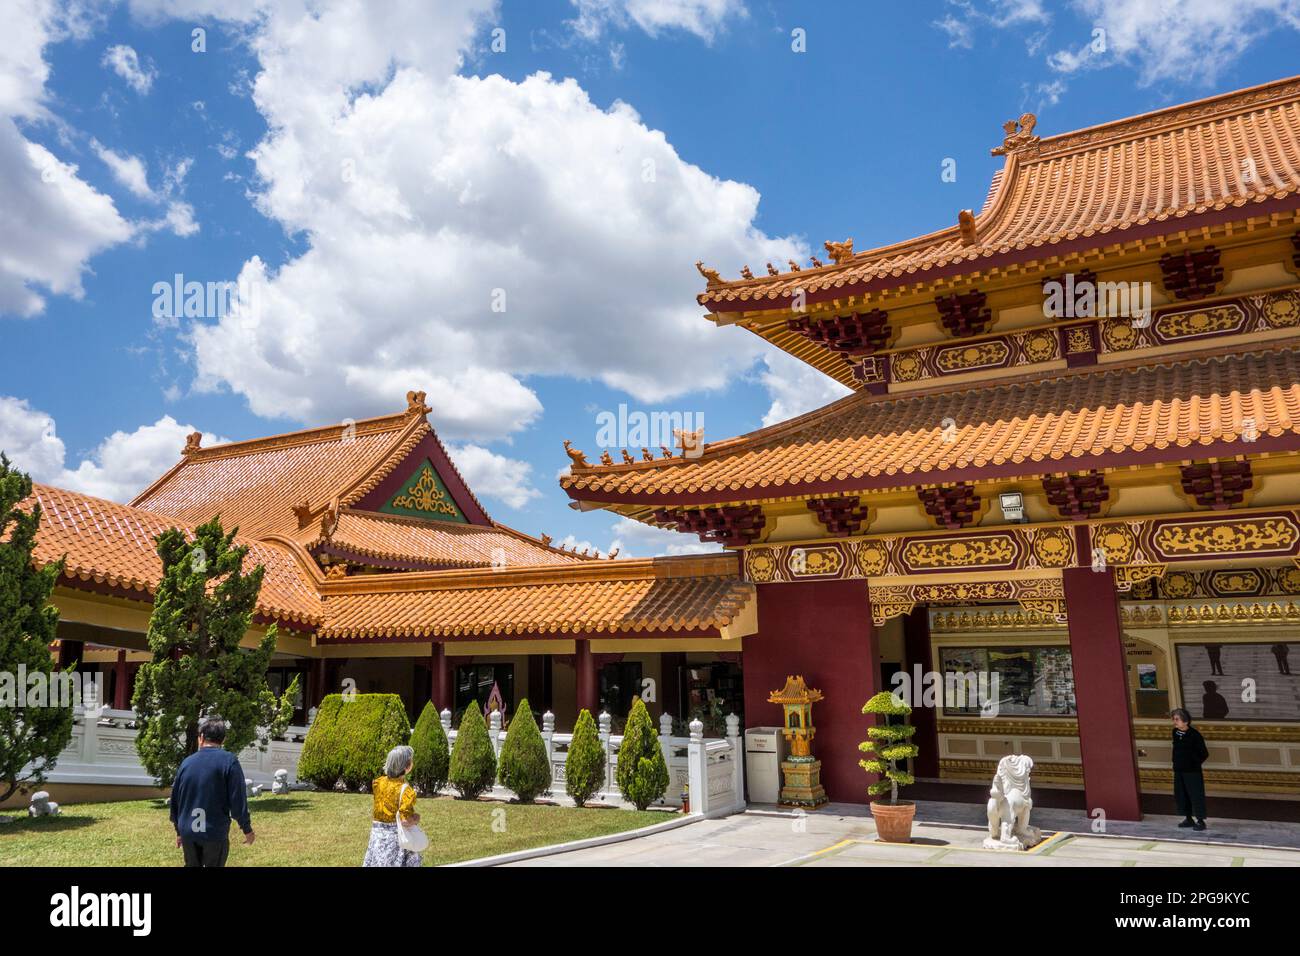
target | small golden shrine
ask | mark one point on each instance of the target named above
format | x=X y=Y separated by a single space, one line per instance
x=802 y=772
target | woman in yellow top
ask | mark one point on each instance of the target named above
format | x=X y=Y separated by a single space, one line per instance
x=384 y=850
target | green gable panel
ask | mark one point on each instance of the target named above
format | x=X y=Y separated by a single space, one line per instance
x=423 y=495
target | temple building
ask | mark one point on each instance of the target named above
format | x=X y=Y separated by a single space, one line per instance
x=1071 y=462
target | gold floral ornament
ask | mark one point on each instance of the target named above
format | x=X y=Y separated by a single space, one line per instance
x=425 y=495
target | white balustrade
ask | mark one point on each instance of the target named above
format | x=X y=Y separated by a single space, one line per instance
x=102 y=751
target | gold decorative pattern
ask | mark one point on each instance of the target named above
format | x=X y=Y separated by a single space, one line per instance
x=965 y=358
x=1128 y=575
x=1227 y=536
x=1244 y=612
x=1078 y=339
x=1053 y=547
x=873 y=558
x=424 y=495
x=1218 y=320
x=993 y=551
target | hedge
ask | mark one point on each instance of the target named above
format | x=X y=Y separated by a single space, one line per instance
x=525 y=767
x=429 y=741
x=350 y=739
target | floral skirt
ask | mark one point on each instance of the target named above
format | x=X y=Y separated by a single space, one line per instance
x=384 y=850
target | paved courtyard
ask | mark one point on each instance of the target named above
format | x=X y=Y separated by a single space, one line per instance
x=844 y=835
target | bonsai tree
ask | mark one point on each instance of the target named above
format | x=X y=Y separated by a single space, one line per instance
x=203 y=609
x=31 y=737
x=584 y=767
x=473 y=761
x=525 y=767
x=642 y=774
x=890 y=743
x=429 y=741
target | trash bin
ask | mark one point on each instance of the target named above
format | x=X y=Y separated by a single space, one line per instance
x=765 y=748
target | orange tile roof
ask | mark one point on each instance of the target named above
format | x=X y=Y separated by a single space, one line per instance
x=1158 y=167
x=255 y=484
x=1022 y=427
x=435 y=543
x=661 y=596
x=113 y=545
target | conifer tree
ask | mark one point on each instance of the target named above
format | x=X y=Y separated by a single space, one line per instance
x=31 y=737
x=584 y=767
x=473 y=761
x=431 y=761
x=524 y=767
x=202 y=610
x=642 y=773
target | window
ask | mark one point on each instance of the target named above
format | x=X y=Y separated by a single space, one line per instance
x=278 y=679
x=1214 y=674
x=474 y=683
x=619 y=683
x=1030 y=681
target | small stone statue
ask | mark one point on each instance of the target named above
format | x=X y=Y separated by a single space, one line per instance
x=280 y=785
x=248 y=787
x=1010 y=802
x=257 y=790
x=41 y=805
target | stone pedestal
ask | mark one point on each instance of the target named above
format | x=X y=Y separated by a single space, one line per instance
x=803 y=783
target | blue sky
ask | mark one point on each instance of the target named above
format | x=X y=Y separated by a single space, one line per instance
x=379 y=173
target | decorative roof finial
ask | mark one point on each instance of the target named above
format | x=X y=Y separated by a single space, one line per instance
x=578 y=458
x=966 y=222
x=840 y=252
x=772 y=270
x=816 y=263
x=546 y=539
x=691 y=443
x=192 y=443
x=415 y=404
x=627 y=459
x=606 y=458
x=1020 y=133
x=794 y=266
x=613 y=554
x=302 y=511
x=745 y=273
x=710 y=275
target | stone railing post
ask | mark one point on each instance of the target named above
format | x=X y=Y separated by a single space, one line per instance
x=737 y=761
x=698 y=768
x=666 y=745
x=548 y=739
x=89 y=719
x=494 y=730
x=606 y=724
x=445 y=717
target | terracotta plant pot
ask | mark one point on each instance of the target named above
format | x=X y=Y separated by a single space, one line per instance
x=894 y=821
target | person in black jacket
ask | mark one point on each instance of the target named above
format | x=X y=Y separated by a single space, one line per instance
x=1189 y=785
x=207 y=793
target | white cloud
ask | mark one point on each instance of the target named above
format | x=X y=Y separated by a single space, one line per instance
x=1193 y=38
x=962 y=17
x=51 y=222
x=494 y=476
x=126 y=169
x=118 y=468
x=636 y=540
x=429 y=197
x=125 y=62
x=704 y=18
x=796 y=387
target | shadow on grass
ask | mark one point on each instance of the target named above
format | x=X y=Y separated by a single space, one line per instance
x=64 y=821
x=262 y=805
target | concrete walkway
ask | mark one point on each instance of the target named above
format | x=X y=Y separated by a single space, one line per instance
x=945 y=835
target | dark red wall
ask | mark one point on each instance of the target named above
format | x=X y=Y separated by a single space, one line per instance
x=823 y=631
x=1110 y=777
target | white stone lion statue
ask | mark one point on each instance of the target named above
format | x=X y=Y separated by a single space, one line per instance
x=1010 y=801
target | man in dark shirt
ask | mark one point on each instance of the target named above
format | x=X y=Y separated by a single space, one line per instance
x=207 y=793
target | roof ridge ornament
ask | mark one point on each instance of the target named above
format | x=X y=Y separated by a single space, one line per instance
x=193 y=442
x=576 y=456
x=711 y=276
x=415 y=404
x=1019 y=135
x=966 y=223
x=840 y=252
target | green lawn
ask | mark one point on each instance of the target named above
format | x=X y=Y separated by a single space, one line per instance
x=301 y=829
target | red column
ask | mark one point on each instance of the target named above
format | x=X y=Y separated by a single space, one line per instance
x=1110 y=775
x=120 y=699
x=916 y=647
x=584 y=664
x=823 y=631
x=439 y=683
x=317 y=681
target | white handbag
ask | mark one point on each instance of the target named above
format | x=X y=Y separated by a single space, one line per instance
x=410 y=838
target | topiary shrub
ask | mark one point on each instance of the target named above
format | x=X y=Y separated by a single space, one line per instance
x=350 y=739
x=524 y=767
x=319 y=763
x=429 y=741
x=370 y=725
x=584 y=768
x=642 y=774
x=473 y=761
x=890 y=745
